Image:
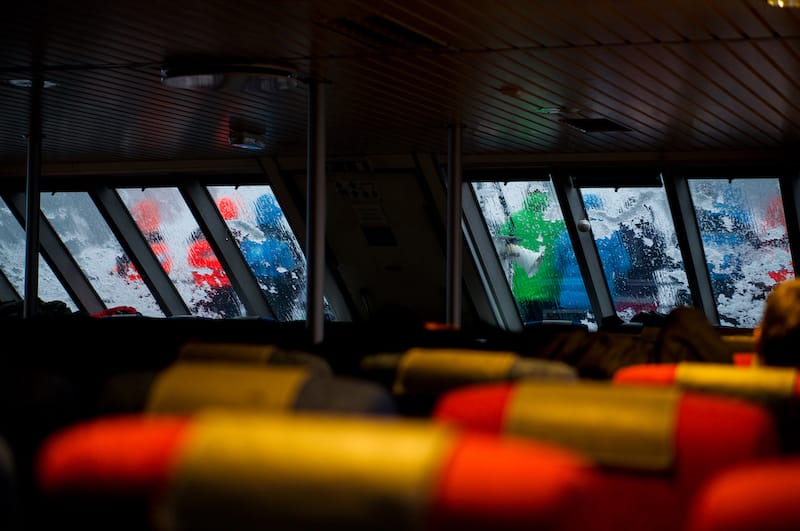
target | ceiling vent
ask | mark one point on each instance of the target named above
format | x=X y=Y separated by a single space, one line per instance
x=595 y=125
x=218 y=74
x=381 y=32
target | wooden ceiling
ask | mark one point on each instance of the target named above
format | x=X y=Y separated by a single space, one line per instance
x=680 y=76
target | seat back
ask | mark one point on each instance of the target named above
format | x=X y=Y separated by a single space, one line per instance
x=258 y=353
x=776 y=388
x=657 y=445
x=224 y=470
x=190 y=384
x=434 y=370
x=763 y=495
x=754 y=382
x=418 y=376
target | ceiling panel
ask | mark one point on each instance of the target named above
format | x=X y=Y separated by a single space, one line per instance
x=699 y=76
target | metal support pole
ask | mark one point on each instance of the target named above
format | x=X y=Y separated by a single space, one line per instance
x=315 y=211
x=454 y=235
x=32 y=200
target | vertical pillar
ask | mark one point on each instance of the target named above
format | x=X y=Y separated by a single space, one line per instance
x=454 y=235
x=32 y=200
x=315 y=212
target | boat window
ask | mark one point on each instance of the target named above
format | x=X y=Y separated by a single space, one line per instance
x=183 y=251
x=83 y=230
x=530 y=237
x=746 y=245
x=637 y=244
x=12 y=261
x=266 y=240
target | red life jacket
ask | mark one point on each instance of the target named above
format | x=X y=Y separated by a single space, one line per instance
x=202 y=256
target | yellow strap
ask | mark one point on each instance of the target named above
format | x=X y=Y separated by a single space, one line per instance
x=746 y=382
x=203 y=350
x=626 y=426
x=424 y=370
x=288 y=472
x=188 y=386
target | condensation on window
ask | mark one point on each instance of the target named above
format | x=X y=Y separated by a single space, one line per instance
x=638 y=248
x=12 y=261
x=83 y=230
x=183 y=251
x=531 y=240
x=743 y=229
x=268 y=245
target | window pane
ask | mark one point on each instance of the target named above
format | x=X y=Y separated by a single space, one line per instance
x=83 y=230
x=263 y=234
x=743 y=229
x=531 y=240
x=186 y=256
x=12 y=259
x=638 y=248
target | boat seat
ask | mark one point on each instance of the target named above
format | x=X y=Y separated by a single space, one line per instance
x=418 y=376
x=656 y=445
x=763 y=495
x=192 y=384
x=220 y=469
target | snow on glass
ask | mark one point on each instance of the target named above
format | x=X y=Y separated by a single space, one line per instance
x=741 y=222
x=742 y=227
x=164 y=219
x=12 y=259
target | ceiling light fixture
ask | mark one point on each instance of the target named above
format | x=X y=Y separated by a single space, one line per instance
x=549 y=110
x=246 y=140
x=222 y=75
x=784 y=3
x=28 y=83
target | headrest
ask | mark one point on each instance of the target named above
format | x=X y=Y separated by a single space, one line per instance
x=250 y=353
x=654 y=450
x=273 y=473
x=434 y=370
x=188 y=386
x=224 y=470
x=757 y=382
x=636 y=427
x=128 y=455
x=431 y=370
x=617 y=426
x=633 y=428
x=762 y=495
